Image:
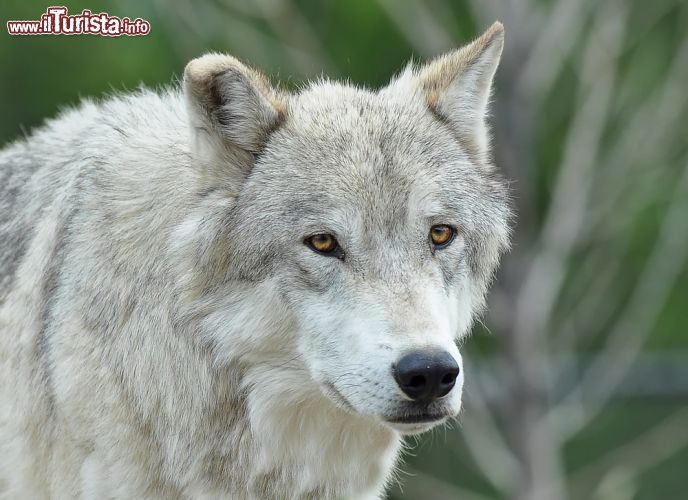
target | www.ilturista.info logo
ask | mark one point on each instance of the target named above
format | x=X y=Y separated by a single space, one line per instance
x=57 y=22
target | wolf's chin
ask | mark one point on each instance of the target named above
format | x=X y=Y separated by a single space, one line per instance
x=416 y=427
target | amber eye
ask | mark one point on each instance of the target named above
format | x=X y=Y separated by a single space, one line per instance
x=441 y=235
x=325 y=244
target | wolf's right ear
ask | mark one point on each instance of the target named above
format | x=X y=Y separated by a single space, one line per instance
x=233 y=108
x=457 y=86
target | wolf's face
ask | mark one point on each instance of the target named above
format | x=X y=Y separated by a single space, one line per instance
x=375 y=214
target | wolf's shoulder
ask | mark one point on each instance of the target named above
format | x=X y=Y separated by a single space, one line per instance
x=146 y=120
x=125 y=151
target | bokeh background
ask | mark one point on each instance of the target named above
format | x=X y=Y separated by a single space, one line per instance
x=577 y=378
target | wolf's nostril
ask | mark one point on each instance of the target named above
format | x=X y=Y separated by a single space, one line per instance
x=426 y=375
x=417 y=381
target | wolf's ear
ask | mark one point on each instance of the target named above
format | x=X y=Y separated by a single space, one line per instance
x=233 y=108
x=457 y=86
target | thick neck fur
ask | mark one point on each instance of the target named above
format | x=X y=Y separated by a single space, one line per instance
x=285 y=444
x=268 y=418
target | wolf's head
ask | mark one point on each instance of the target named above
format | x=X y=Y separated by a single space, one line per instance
x=370 y=221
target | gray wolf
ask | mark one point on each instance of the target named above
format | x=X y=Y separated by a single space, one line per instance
x=228 y=290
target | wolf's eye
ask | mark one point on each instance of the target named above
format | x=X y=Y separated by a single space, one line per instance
x=442 y=235
x=325 y=244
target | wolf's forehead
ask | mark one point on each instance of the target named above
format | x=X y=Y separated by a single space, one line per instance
x=342 y=146
x=352 y=109
x=350 y=131
x=372 y=183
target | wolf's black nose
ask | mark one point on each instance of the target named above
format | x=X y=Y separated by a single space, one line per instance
x=426 y=375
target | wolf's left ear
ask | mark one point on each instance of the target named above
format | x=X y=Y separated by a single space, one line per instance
x=233 y=110
x=457 y=86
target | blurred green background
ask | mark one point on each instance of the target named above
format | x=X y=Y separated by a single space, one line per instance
x=577 y=378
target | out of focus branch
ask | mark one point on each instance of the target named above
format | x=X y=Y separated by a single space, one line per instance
x=426 y=486
x=538 y=441
x=295 y=30
x=656 y=281
x=637 y=147
x=568 y=206
x=556 y=39
x=419 y=25
x=646 y=451
x=640 y=144
x=486 y=445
